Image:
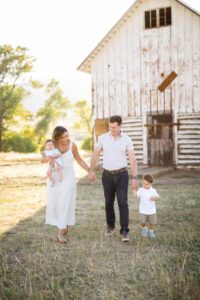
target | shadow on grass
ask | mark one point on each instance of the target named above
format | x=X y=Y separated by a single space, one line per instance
x=91 y=266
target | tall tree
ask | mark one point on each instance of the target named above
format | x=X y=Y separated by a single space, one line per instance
x=83 y=112
x=15 y=63
x=83 y=117
x=55 y=107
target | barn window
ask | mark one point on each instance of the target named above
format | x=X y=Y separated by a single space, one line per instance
x=165 y=16
x=150 y=19
x=158 y=17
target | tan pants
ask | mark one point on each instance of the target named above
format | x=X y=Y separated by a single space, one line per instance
x=151 y=219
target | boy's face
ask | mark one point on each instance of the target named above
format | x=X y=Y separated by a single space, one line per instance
x=146 y=184
x=49 y=146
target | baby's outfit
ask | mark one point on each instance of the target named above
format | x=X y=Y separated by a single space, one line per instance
x=51 y=153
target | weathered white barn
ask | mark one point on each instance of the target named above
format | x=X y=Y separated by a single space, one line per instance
x=147 y=69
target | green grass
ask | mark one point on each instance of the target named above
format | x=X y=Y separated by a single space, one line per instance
x=92 y=266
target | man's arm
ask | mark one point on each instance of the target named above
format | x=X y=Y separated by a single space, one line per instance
x=133 y=165
x=94 y=158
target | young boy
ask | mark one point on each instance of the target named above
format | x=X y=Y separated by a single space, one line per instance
x=51 y=151
x=147 y=196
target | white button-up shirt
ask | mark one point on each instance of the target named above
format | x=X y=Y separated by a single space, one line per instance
x=114 y=150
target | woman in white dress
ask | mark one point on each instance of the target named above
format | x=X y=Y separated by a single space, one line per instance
x=61 y=196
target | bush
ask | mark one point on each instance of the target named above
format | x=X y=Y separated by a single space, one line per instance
x=87 y=143
x=18 y=143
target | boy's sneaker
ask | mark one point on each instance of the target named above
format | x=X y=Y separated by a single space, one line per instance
x=151 y=234
x=144 y=232
x=109 y=231
x=125 y=237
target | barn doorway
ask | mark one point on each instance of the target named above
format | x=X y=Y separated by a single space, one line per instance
x=160 y=140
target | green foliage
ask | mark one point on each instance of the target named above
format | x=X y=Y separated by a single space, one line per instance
x=35 y=84
x=87 y=143
x=14 y=64
x=11 y=103
x=54 y=107
x=19 y=143
x=83 y=113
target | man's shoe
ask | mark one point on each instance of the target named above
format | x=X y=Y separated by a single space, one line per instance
x=125 y=237
x=109 y=231
x=144 y=232
x=151 y=234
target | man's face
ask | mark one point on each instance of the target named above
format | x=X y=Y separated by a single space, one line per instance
x=115 y=129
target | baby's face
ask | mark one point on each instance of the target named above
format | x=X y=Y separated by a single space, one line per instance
x=49 y=146
x=146 y=184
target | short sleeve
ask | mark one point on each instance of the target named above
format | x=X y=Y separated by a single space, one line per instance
x=99 y=143
x=138 y=192
x=130 y=144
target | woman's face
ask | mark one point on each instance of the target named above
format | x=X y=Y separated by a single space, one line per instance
x=64 y=138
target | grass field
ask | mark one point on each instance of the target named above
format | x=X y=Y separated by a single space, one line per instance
x=91 y=266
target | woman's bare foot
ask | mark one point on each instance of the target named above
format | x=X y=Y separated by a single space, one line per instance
x=60 y=237
x=65 y=231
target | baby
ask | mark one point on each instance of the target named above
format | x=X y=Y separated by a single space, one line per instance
x=52 y=152
x=147 y=196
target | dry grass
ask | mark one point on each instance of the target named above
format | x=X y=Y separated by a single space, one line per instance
x=91 y=266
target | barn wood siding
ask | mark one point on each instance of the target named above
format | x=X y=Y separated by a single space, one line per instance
x=134 y=129
x=133 y=62
x=189 y=140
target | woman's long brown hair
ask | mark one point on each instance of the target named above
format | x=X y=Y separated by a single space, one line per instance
x=57 y=134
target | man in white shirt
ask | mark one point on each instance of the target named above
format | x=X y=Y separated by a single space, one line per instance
x=115 y=146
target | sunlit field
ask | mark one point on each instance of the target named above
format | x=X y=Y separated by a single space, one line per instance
x=92 y=266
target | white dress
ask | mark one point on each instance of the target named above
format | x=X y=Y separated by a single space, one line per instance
x=61 y=196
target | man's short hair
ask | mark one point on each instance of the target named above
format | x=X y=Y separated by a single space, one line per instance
x=148 y=178
x=116 y=118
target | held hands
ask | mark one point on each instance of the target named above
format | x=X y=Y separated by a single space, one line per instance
x=91 y=176
x=134 y=184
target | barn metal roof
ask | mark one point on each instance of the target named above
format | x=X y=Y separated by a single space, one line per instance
x=85 y=66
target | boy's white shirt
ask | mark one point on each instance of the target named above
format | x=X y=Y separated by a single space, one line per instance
x=147 y=206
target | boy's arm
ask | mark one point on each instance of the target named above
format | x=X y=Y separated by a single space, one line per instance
x=155 y=197
x=134 y=193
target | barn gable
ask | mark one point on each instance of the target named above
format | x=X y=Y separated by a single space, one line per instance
x=147 y=69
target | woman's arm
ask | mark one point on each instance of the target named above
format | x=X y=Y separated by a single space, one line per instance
x=45 y=159
x=80 y=161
